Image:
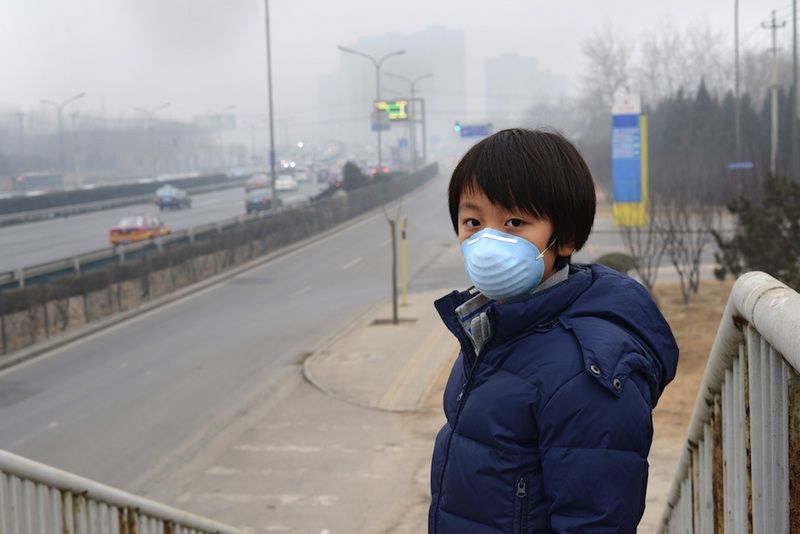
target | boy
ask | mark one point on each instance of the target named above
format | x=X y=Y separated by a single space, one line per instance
x=549 y=403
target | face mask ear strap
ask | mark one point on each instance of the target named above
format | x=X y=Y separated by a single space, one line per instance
x=541 y=254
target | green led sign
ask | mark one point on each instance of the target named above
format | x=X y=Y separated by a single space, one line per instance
x=396 y=110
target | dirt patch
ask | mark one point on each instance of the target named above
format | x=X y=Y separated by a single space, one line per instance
x=694 y=326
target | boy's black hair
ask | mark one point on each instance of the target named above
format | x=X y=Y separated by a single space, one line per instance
x=536 y=171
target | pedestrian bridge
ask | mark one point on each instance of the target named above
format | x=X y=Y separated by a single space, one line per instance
x=739 y=472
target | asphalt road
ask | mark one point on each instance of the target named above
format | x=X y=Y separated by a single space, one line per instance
x=30 y=244
x=118 y=403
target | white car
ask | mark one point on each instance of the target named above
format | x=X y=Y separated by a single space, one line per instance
x=301 y=175
x=286 y=183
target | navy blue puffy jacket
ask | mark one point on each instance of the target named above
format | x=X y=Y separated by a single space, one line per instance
x=549 y=428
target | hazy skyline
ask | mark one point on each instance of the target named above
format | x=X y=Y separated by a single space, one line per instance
x=207 y=54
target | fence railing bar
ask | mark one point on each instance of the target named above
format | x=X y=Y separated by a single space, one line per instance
x=755 y=354
x=80 y=498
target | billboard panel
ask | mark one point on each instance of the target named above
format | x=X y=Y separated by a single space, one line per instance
x=629 y=163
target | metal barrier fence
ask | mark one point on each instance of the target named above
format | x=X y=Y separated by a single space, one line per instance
x=740 y=469
x=37 y=498
x=52 y=299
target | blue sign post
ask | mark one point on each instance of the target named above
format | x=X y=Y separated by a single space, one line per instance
x=629 y=163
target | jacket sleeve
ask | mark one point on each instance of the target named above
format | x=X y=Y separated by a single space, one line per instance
x=594 y=444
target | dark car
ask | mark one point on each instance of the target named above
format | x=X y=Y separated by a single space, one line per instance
x=169 y=197
x=259 y=200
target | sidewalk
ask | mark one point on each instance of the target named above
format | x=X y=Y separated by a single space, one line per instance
x=342 y=445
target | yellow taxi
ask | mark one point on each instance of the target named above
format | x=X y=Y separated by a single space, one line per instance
x=137 y=228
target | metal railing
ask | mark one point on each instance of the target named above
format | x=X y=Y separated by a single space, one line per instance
x=740 y=468
x=36 y=498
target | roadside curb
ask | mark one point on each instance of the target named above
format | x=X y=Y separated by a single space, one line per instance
x=384 y=370
x=18 y=357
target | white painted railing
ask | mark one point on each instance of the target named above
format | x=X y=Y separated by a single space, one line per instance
x=740 y=468
x=39 y=499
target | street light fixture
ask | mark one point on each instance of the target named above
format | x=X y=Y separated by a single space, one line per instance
x=60 y=108
x=412 y=125
x=377 y=63
x=149 y=114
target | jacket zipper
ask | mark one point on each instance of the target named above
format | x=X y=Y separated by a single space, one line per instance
x=522 y=506
x=461 y=402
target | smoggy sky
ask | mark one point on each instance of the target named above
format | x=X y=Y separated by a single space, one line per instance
x=207 y=54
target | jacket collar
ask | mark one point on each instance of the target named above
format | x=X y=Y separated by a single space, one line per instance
x=513 y=317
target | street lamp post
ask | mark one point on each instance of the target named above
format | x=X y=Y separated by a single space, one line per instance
x=149 y=114
x=377 y=63
x=218 y=116
x=412 y=85
x=272 y=175
x=60 y=108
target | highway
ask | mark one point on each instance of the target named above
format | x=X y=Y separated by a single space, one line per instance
x=114 y=405
x=25 y=245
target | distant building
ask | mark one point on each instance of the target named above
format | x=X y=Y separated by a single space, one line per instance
x=514 y=84
x=347 y=93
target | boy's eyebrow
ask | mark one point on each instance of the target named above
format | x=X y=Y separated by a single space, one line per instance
x=468 y=206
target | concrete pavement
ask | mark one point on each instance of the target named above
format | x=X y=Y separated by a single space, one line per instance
x=346 y=450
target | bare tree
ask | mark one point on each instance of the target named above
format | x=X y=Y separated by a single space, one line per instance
x=645 y=245
x=671 y=59
x=608 y=73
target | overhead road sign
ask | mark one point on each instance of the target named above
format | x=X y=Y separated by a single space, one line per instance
x=740 y=165
x=629 y=165
x=473 y=130
x=395 y=110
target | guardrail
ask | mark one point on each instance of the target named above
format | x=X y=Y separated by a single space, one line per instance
x=35 y=497
x=50 y=300
x=740 y=469
x=103 y=256
x=25 y=216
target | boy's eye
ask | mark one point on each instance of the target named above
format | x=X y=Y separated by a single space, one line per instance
x=514 y=223
x=472 y=223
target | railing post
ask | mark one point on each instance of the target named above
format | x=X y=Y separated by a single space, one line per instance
x=794 y=451
x=717 y=468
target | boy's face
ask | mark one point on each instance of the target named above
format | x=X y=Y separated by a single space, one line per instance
x=476 y=213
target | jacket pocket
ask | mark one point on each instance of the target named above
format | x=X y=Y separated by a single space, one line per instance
x=520 y=523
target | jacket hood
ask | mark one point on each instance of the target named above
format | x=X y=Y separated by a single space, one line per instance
x=619 y=328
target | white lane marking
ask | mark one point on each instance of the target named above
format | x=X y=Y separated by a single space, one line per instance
x=301 y=291
x=53 y=424
x=386 y=242
x=350 y=263
x=206 y=203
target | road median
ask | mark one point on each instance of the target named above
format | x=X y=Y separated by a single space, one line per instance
x=66 y=308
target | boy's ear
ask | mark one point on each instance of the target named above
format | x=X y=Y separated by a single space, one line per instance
x=567 y=249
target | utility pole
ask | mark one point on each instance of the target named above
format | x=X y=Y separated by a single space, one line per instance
x=377 y=63
x=60 y=109
x=795 y=107
x=737 y=112
x=269 y=98
x=21 y=118
x=412 y=122
x=76 y=157
x=218 y=116
x=774 y=26
x=151 y=147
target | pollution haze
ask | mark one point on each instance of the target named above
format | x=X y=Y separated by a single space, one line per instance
x=208 y=54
